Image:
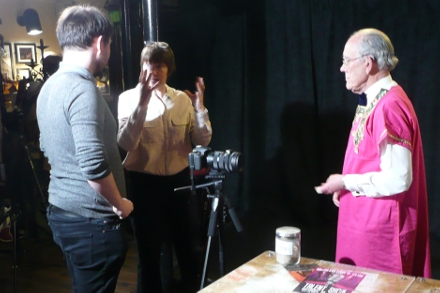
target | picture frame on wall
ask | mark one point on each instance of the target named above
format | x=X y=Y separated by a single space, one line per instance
x=23 y=73
x=25 y=52
x=6 y=62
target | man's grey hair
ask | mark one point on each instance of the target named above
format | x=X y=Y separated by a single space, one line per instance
x=378 y=46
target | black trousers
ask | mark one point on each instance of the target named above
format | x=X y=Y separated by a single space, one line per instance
x=95 y=249
x=159 y=215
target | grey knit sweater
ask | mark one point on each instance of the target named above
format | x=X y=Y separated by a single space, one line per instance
x=78 y=136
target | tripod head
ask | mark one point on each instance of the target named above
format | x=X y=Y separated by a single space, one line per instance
x=216 y=178
x=217 y=162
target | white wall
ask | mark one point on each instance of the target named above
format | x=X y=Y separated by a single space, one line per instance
x=48 y=11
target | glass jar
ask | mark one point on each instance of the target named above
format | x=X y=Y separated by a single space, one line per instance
x=288 y=245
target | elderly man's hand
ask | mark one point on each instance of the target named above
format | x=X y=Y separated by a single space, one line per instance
x=333 y=184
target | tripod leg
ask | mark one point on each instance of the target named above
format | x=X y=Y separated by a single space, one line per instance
x=220 y=229
x=211 y=232
x=206 y=263
x=233 y=215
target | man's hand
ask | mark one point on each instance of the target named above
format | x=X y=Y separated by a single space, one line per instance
x=197 y=98
x=124 y=209
x=336 y=198
x=333 y=184
x=146 y=89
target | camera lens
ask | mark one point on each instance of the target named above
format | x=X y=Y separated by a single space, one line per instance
x=225 y=161
x=235 y=164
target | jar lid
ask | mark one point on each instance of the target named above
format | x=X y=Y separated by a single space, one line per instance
x=287 y=231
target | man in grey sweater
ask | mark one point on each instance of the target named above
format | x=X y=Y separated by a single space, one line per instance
x=78 y=136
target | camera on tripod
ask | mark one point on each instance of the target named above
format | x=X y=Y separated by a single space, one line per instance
x=205 y=157
x=218 y=163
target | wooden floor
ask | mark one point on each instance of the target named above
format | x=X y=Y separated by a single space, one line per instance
x=41 y=269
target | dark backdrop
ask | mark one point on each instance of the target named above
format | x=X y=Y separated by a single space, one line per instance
x=275 y=92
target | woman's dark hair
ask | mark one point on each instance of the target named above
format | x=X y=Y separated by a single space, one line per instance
x=159 y=52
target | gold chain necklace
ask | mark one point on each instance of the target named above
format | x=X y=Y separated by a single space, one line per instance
x=362 y=113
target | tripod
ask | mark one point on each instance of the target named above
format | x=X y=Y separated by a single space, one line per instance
x=216 y=219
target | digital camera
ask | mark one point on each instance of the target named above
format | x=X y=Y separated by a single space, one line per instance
x=205 y=157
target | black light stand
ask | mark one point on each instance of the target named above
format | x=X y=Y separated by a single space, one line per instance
x=216 y=220
x=11 y=212
x=45 y=203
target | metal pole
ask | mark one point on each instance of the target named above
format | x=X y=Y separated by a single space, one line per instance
x=151 y=22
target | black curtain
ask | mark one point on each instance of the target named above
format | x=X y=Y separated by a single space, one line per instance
x=305 y=40
x=275 y=92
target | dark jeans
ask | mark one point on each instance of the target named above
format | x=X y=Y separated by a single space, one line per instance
x=94 y=248
x=162 y=215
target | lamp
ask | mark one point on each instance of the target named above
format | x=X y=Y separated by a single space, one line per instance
x=31 y=20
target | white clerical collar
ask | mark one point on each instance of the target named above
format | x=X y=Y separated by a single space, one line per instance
x=384 y=83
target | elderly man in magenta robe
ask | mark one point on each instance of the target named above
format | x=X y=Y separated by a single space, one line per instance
x=381 y=193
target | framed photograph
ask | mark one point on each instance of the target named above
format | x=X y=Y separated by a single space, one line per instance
x=23 y=73
x=24 y=53
x=6 y=62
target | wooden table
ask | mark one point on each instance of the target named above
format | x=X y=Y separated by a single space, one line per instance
x=264 y=274
x=423 y=285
